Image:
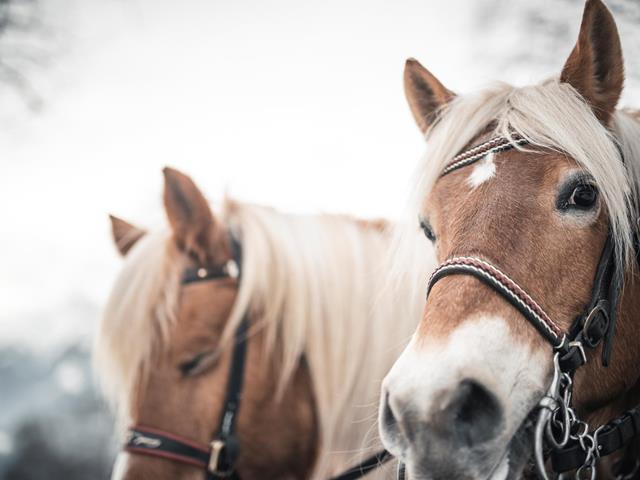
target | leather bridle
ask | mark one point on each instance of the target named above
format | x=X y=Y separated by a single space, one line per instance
x=560 y=435
x=218 y=458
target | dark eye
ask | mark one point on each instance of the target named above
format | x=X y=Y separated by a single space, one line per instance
x=584 y=196
x=189 y=366
x=578 y=194
x=428 y=231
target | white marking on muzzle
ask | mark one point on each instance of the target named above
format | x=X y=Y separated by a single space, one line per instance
x=482 y=349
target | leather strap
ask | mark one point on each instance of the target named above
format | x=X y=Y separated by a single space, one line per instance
x=365 y=467
x=493 y=277
x=226 y=444
x=610 y=438
x=154 y=442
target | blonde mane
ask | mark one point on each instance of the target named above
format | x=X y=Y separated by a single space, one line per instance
x=318 y=285
x=553 y=116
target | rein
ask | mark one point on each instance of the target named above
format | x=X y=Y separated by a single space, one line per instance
x=219 y=457
x=560 y=435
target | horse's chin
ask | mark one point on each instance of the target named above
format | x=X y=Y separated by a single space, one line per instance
x=513 y=464
x=515 y=461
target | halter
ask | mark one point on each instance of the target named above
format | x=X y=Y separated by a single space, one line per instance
x=219 y=457
x=559 y=434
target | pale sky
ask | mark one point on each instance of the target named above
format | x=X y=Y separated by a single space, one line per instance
x=294 y=104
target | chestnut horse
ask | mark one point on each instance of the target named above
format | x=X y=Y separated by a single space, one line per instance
x=321 y=331
x=528 y=351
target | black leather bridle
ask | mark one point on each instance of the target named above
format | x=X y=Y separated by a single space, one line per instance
x=218 y=458
x=560 y=435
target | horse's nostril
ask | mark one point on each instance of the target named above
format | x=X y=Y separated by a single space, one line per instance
x=388 y=418
x=395 y=422
x=477 y=414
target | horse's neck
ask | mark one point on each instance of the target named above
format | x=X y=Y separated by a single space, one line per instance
x=620 y=382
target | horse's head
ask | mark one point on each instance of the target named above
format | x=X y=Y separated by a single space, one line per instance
x=168 y=347
x=518 y=191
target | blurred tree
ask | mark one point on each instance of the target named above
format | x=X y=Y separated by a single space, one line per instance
x=57 y=423
x=528 y=40
x=25 y=43
x=74 y=457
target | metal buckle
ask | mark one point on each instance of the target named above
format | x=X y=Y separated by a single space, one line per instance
x=580 y=348
x=231 y=268
x=598 y=309
x=217 y=446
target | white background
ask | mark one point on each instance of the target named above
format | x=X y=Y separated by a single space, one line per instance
x=289 y=103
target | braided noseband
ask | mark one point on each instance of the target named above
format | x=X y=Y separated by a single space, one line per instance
x=509 y=289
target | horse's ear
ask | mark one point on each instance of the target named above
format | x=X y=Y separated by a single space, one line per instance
x=124 y=234
x=425 y=94
x=595 y=67
x=190 y=217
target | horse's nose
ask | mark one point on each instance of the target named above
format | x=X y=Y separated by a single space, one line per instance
x=469 y=416
x=475 y=412
x=396 y=420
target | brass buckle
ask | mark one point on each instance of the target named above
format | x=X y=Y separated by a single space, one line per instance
x=217 y=446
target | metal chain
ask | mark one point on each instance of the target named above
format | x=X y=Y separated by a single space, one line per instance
x=558 y=423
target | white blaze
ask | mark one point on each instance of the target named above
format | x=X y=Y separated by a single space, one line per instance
x=483 y=171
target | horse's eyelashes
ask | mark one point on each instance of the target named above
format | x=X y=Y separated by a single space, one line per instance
x=189 y=365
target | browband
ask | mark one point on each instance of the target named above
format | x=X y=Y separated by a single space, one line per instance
x=472 y=155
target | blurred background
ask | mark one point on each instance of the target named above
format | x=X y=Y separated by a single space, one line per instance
x=294 y=104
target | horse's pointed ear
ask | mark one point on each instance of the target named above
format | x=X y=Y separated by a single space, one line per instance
x=425 y=94
x=189 y=215
x=595 y=67
x=125 y=235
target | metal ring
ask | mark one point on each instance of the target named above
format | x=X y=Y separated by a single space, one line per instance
x=564 y=426
x=599 y=308
x=586 y=468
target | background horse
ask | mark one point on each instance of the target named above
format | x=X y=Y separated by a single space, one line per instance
x=323 y=330
x=520 y=220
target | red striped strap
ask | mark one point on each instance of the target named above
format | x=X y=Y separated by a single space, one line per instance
x=509 y=289
x=158 y=443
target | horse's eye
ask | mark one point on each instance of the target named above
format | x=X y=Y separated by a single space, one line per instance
x=578 y=194
x=190 y=366
x=428 y=231
x=584 y=196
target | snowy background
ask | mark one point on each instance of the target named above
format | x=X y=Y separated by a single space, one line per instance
x=293 y=104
